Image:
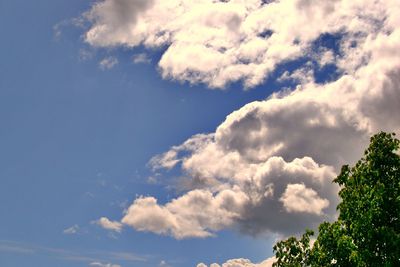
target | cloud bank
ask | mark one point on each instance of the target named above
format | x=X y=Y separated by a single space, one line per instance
x=268 y=168
x=278 y=157
x=219 y=42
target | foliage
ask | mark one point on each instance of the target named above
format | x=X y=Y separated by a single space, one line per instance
x=367 y=232
x=333 y=247
x=293 y=252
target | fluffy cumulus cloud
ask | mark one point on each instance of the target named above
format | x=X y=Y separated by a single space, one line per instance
x=218 y=42
x=191 y=215
x=298 y=198
x=269 y=166
x=266 y=196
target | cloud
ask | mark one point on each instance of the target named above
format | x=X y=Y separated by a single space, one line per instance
x=326 y=57
x=141 y=58
x=252 y=197
x=242 y=263
x=99 y=264
x=108 y=63
x=88 y=256
x=71 y=230
x=298 y=198
x=114 y=20
x=268 y=168
x=109 y=225
x=10 y=247
x=220 y=42
x=85 y=54
x=191 y=215
x=280 y=155
x=163 y=263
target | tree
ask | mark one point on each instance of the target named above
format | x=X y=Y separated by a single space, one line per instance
x=293 y=252
x=367 y=232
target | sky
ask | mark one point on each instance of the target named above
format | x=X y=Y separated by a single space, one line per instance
x=184 y=133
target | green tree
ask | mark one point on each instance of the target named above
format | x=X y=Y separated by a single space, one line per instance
x=333 y=247
x=367 y=232
x=293 y=252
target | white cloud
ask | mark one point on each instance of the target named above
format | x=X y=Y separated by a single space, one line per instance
x=326 y=57
x=99 y=264
x=242 y=195
x=301 y=75
x=282 y=153
x=141 y=58
x=242 y=263
x=218 y=42
x=108 y=63
x=71 y=230
x=192 y=215
x=85 y=54
x=164 y=264
x=269 y=166
x=298 y=198
x=109 y=225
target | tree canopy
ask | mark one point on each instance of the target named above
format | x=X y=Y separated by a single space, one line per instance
x=367 y=232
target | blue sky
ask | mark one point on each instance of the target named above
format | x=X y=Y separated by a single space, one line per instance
x=77 y=138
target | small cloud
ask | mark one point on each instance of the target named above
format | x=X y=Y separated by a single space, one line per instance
x=326 y=57
x=60 y=26
x=99 y=264
x=152 y=180
x=125 y=256
x=57 y=31
x=108 y=63
x=85 y=54
x=141 y=58
x=109 y=225
x=301 y=75
x=163 y=263
x=71 y=230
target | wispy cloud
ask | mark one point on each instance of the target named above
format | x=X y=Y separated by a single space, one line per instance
x=99 y=264
x=15 y=248
x=71 y=230
x=85 y=54
x=141 y=58
x=89 y=256
x=108 y=63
